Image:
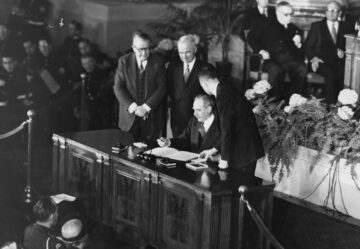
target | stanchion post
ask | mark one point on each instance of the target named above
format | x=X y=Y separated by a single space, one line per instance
x=82 y=103
x=28 y=191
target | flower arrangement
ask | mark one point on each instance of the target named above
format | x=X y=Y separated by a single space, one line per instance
x=329 y=129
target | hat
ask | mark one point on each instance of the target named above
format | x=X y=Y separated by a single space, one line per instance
x=72 y=228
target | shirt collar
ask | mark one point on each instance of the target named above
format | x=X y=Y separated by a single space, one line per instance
x=331 y=23
x=144 y=63
x=208 y=122
x=191 y=64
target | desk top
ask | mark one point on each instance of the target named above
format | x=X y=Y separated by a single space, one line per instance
x=209 y=180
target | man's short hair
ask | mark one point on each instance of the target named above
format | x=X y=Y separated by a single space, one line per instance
x=207 y=99
x=187 y=39
x=208 y=71
x=44 y=208
x=144 y=36
x=283 y=4
x=85 y=40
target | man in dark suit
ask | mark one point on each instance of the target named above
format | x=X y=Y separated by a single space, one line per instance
x=140 y=87
x=202 y=133
x=183 y=83
x=241 y=143
x=325 y=49
x=280 y=44
x=256 y=16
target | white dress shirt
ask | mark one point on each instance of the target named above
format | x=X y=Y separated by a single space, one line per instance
x=208 y=122
x=191 y=65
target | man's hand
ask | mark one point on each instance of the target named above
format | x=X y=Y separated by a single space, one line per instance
x=265 y=54
x=132 y=107
x=223 y=164
x=206 y=154
x=297 y=40
x=140 y=111
x=223 y=175
x=340 y=53
x=163 y=142
x=315 y=63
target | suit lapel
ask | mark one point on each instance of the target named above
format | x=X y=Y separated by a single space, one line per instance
x=150 y=69
x=133 y=72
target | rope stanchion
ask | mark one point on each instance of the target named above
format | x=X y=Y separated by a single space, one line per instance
x=28 y=191
x=257 y=219
x=14 y=131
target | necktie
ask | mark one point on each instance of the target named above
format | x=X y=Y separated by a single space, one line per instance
x=202 y=130
x=141 y=69
x=187 y=72
x=265 y=13
x=333 y=32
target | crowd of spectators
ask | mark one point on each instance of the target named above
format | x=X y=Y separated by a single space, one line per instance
x=35 y=74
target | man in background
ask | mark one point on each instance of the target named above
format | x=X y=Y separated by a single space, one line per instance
x=280 y=45
x=325 y=49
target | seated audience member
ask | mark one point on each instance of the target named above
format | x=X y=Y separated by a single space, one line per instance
x=280 y=44
x=9 y=43
x=202 y=133
x=52 y=72
x=37 y=234
x=256 y=16
x=69 y=47
x=325 y=49
x=102 y=60
x=241 y=144
x=73 y=232
x=183 y=84
x=31 y=51
x=15 y=92
x=35 y=12
x=344 y=16
x=96 y=84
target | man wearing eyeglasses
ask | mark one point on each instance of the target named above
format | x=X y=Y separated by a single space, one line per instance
x=325 y=46
x=280 y=44
x=139 y=88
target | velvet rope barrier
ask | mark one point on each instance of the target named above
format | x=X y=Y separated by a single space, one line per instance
x=257 y=219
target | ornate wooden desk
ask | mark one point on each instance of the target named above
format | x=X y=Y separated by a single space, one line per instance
x=170 y=208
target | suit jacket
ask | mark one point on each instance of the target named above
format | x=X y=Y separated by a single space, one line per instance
x=182 y=94
x=125 y=86
x=320 y=43
x=278 y=41
x=189 y=139
x=253 y=19
x=240 y=139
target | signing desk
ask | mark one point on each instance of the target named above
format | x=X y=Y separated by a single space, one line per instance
x=170 y=208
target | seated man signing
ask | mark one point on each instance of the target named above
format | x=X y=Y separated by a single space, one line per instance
x=202 y=133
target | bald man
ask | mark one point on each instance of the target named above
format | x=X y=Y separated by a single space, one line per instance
x=325 y=49
x=183 y=84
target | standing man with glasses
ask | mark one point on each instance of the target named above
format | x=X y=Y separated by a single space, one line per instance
x=325 y=49
x=280 y=44
x=183 y=83
x=139 y=88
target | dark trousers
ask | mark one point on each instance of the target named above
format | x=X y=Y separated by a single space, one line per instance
x=334 y=80
x=297 y=72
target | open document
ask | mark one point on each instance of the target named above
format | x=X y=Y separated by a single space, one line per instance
x=172 y=153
